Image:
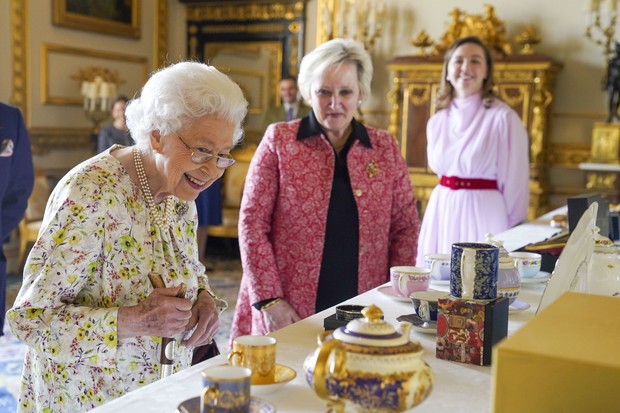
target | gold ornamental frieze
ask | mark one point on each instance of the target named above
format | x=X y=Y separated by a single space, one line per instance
x=520 y=76
x=249 y=28
x=44 y=140
x=228 y=12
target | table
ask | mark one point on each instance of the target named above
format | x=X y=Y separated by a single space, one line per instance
x=457 y=387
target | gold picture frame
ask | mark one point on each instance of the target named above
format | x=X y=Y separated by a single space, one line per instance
x=101 y=16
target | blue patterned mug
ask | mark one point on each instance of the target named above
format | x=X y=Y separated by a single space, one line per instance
x=474 y=271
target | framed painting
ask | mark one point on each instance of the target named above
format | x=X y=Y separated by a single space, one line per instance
x=120 y=18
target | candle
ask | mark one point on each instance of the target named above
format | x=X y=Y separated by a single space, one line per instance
x=613 y=5
x=341 y=7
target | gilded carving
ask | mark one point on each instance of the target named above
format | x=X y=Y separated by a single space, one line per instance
x=242 y=28
x=490 y=29
x=418 y=94
x=254 y=11
x=601 y=180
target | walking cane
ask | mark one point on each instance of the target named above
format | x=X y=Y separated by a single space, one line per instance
x=168 y=344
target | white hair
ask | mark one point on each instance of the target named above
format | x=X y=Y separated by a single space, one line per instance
x=332 y=52
x=179 y=94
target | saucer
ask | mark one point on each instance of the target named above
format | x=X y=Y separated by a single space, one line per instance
x=541 y=277
x=256 y=406
x=388 y=291
x=284 y=374
x=440 y=282
x=518 y=305
x=419 y=325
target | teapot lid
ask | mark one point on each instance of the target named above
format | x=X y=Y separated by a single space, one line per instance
x=603 y=244
x=371 y=330
x=503 y=253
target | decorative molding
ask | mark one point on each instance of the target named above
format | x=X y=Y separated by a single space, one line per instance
x=87 y=55
x=21 y=64
x=568 y=155
x=44 y=140
x=161 y=35
x=249 y=11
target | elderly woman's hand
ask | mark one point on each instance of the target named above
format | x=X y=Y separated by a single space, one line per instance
x=279 y=315
x=161 y=314
x=206 y=320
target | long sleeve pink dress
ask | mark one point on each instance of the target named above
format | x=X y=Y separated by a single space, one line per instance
x=467 y=140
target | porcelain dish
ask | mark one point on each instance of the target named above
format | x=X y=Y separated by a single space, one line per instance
x=419 y=325
x=541 y=277
x=388 y=291
x=284 y=375
x=256 y=406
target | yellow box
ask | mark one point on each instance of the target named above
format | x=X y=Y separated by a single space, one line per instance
x=566 y=359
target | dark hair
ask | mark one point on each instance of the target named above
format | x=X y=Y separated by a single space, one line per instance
x=446 y=90
x=120 y=98
x=289 y=77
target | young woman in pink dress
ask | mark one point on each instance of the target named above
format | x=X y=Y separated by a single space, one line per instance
x=478 y=147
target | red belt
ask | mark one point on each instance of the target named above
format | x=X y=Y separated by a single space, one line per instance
x=454 y=182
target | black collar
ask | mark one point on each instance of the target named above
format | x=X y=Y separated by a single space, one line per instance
x=309 y=127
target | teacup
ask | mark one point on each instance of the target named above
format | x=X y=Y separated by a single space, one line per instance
x=257 y=353
x=527 y=263
x=425 y=304
x=439 y=265
x=407 y=279
x=226 y=389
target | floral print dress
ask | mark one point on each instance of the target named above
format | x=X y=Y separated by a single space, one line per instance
x=95 y=250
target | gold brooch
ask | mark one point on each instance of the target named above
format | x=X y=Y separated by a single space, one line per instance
x=372 y=169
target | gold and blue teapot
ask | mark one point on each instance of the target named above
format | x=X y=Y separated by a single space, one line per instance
x=369 y=366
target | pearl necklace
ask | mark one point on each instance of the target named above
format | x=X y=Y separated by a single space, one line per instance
x=161 y=220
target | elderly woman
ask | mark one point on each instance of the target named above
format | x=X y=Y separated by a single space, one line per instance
x=87 y=310
x=327 y=206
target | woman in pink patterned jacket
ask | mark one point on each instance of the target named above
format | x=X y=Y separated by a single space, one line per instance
x=327 y=206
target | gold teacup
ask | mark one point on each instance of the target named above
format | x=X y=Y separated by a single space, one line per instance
x=257 y=353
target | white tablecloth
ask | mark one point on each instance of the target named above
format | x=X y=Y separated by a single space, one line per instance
x=457 y=387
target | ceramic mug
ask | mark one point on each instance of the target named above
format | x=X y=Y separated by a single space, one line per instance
x=407 y=279
x=425 y=304
x=474 y=271
x=226 y=389
x=439 y=265
x=527 y=263
x=257 y=353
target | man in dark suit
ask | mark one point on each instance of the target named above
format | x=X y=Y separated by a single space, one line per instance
x=16 y=182
x=291 y=107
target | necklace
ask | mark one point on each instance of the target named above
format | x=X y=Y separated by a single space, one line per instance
x=161 y=219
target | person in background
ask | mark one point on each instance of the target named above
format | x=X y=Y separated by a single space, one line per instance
x=87 y=309
x=209 y=206
x=291 y=106
x=115 y=132
x=478 y=147
x=16 y=183
x=327 y=205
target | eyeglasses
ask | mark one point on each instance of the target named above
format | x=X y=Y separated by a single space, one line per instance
x=202 y=155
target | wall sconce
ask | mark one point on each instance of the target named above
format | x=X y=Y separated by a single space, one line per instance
x=360 y=20
x=99 y=89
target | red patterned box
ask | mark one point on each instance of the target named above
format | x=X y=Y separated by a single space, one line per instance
x=467 y=330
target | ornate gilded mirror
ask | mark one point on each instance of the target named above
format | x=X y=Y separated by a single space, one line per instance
x=255 y=43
